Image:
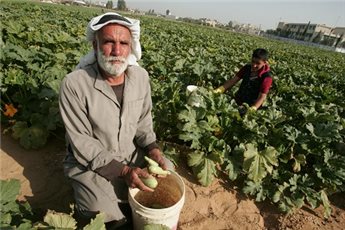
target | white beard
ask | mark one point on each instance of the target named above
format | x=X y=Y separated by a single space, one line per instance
x=114 y=70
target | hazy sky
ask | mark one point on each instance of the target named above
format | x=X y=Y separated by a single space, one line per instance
x=266 y=14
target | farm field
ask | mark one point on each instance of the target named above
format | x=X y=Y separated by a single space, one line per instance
x=220 y=205
x=289 y=156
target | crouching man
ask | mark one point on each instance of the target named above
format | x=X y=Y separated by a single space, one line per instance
x=106 y=109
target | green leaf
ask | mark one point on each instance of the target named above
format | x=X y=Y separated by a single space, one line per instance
x=310 y=128
x=25 y=226
x=60 y=56
x=276 y=196
x=198 y=69
x=250 y=151
x=196 y=100
x=204 y=126
x=235 y=162
x=312 y=200
x=5 y=218
x=213 y=120
x=326 y=204
x=195 y=158
x=270 y=155
x=187 y=115
x=291 y=133
x=171 y=153
x=18 y=129
x=179 y=64
x=97 y=223
x=299 y=160
x=216 y=157
x=283 y=206
x=54 y=85
x=33 y=137
x=9 y=190
x=37 y=118
x=232 y=170
x=258 y=164
x=11 y=206
x=60 y=220
x=298 y=202
x=205 y=172
x=251 y=187
x=47 y=93
x=325 y=131
x=279 y=193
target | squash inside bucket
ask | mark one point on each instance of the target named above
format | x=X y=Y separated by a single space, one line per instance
x=165 y=195
x=163 y=206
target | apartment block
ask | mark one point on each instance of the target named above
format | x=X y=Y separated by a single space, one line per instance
x=318 y=33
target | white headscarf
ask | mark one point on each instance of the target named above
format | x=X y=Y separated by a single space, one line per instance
x=98 y=22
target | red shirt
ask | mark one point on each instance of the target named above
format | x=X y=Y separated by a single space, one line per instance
x=266 y=83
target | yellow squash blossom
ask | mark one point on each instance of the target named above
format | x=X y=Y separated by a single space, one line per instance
x=10 y=110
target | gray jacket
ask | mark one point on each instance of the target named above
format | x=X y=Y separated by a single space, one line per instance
x=97 y=128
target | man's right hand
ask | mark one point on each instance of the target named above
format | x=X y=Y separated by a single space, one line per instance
x=132 y=178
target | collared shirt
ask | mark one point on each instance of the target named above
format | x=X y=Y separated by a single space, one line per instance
x=98 y=128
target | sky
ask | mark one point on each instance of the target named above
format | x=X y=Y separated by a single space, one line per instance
x=265 y=14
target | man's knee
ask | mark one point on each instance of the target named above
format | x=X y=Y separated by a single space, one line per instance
x=92 y=198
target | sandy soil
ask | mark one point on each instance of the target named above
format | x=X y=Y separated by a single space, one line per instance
x=219 y=206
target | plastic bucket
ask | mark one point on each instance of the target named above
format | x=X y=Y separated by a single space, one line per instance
x=163 y=206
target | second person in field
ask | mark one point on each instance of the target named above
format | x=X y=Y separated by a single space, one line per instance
x=256 y=81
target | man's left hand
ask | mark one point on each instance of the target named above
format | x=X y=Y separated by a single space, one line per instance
x=156 y=155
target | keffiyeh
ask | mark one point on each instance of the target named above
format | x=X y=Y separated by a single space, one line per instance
x=98 y=22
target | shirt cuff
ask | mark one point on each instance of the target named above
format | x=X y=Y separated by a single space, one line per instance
x=111 y=171
x=151 y=146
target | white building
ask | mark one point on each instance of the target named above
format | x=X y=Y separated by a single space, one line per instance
x=209 y=22
x=244 y=28
x=318 y=33
x=170 y=16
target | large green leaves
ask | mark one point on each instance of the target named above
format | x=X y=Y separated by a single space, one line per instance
x=9 y=190
x=326 y=204
x=60 y=220
x=18 y=215
x=36 y=54
x=203 y=167
x=296 y=132
x=13 y=213
x=258 y=163
x=30 y=137
x=96 y=223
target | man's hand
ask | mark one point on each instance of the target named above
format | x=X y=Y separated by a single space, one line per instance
x=156 y=155
x=132 y=178
x=219 y=90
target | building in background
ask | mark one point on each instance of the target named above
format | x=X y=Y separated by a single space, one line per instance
x=209 y=22
x=316 y=33
x=339 y=30
x=244 y=28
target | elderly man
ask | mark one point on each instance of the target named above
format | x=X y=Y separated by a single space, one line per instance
x=106 y=108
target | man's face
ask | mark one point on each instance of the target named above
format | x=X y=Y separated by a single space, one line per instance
x=257 y=64
x=113 y=46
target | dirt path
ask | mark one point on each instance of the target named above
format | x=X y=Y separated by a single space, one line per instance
x=218 y=206
x=39 y=171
